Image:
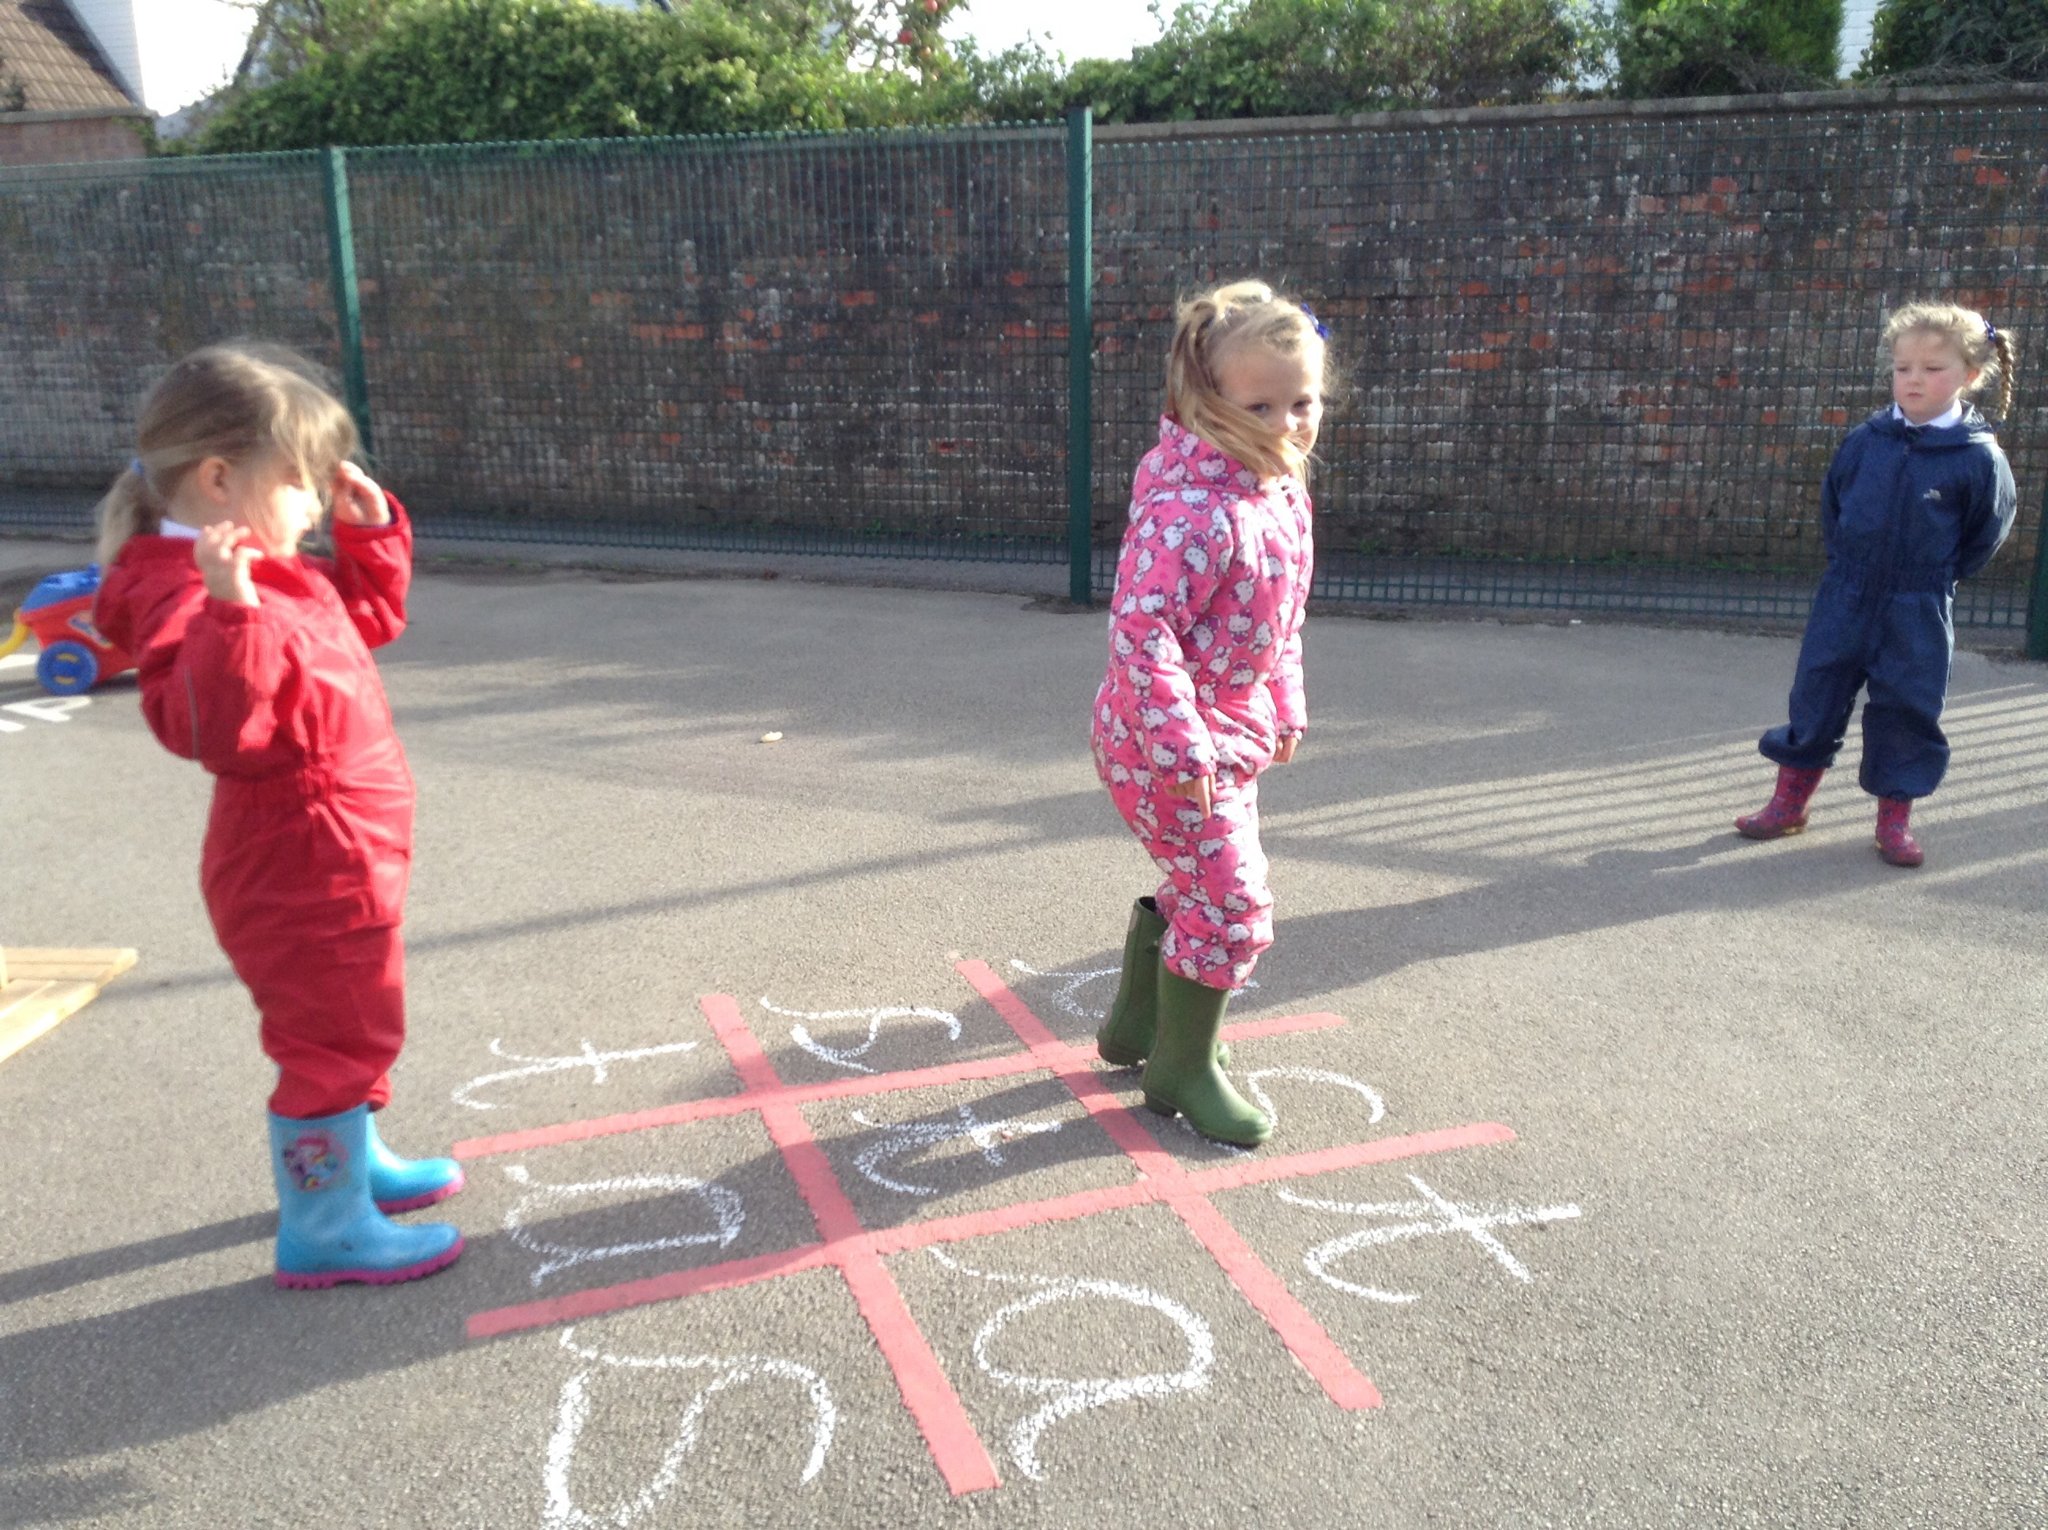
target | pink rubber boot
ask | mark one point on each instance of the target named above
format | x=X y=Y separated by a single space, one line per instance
x=1785 y=813
x=1895 y=841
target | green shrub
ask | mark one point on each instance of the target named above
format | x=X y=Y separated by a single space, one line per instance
x=467 y=71
x=1726 y=47
x=1286 y=58
x=1953 y=41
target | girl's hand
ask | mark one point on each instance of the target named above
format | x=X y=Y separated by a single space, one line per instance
x=1283 y=752
x=224 y=552
x=357 y=499
x=1197 y=791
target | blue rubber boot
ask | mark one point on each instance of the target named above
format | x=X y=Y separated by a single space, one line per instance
x=328 y=1229
x=406 y=1184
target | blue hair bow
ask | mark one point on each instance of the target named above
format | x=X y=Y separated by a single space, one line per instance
x=1322 y=329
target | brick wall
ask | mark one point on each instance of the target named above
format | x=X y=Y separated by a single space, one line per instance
x=57 y=138
x=108 y=274
x=1583 y=335
x=847 y=336
x=1597 y=335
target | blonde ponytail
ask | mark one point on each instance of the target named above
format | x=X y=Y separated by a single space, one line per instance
x=127 y=510
x=2007 y=364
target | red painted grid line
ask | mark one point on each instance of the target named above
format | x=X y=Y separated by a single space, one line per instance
x=857 y=1252
x=956 y=1449
x=1304 y=1337
x=576 y=1305
x=805 y=1094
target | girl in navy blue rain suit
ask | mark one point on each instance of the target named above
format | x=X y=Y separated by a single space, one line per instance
x=1918 y=497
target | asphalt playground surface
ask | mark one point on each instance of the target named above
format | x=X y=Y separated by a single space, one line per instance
x=1651 y=1177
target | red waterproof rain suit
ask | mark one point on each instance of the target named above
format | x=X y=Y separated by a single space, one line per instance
x=309 y=845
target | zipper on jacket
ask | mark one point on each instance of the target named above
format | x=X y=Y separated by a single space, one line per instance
x=1901 y=499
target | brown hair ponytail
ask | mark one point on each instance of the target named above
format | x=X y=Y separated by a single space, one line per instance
x=126 y=510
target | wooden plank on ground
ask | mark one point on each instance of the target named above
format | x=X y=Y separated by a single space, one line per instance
x=46 y=986
x=94 y=965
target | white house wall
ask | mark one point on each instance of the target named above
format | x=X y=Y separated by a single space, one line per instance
x=168 y=53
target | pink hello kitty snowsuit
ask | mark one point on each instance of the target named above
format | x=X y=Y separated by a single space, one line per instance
x=1204 y=680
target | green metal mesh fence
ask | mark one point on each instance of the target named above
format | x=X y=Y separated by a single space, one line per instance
x=811 y=343
x=1597 y=362
x=1593 y=361
x=845 y=343
x=108 y=273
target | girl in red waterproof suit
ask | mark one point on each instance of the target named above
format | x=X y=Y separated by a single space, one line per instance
x=254 y=660
x=1918 y=497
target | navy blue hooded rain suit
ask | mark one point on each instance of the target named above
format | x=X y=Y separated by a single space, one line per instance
x=1906 y=511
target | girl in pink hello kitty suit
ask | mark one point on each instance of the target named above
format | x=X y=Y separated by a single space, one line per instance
x=1203 y=689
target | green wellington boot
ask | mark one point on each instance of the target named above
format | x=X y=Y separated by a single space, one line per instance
x=1182 y=1076
x=1126 y=1036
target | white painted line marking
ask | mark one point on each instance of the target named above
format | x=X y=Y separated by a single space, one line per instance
x=1440 y=1218
x=1071 y=1395
x=849 y=1057
x=911 y=1136
x=589 y=1057
x=727 y=1210
x=572 y=1413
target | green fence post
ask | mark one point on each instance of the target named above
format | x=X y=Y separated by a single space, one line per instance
x=2037 y=599
x=341 y=246
x=1080 y=353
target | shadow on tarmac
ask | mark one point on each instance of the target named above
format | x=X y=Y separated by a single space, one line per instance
x=183 y=1364
x=105 y=1263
